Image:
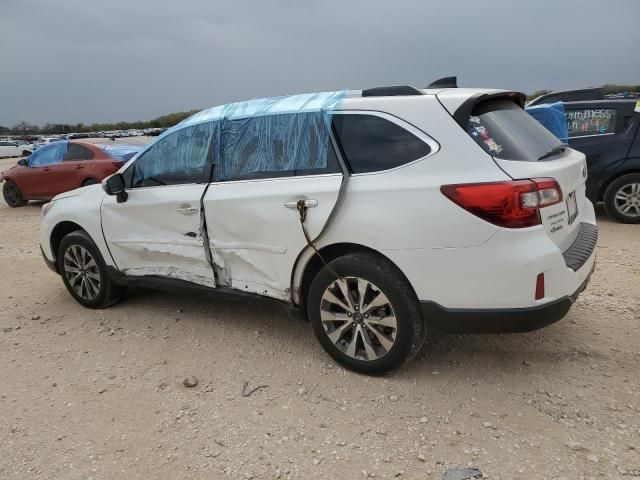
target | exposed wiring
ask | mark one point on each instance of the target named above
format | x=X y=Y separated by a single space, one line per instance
x=302 y=210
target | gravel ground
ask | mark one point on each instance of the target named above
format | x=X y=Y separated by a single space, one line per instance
x=100 y=394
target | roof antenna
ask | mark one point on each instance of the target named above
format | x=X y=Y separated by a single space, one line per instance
x=445 y=82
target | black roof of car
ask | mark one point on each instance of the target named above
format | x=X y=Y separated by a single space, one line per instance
x=592 y=93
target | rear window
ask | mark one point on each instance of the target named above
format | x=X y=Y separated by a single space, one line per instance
x=506 y=131
x=77 y=152
x=371 y=143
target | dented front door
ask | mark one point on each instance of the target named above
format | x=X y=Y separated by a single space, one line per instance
x=254 y=228
x=157 y=232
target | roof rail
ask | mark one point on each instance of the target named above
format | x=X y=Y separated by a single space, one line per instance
x=444 y=82
x=391 y=91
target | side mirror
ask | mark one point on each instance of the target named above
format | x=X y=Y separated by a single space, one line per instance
x=114 y=185
x=23 y=162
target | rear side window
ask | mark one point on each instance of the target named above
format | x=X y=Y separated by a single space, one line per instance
x=506 y=131
x=591 y=121
x=77 y=152
x=371 y=143
x=273 y=146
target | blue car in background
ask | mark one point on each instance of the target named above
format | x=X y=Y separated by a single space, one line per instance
x=606 y=131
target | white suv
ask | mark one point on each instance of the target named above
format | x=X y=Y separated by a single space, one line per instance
x=381 y=215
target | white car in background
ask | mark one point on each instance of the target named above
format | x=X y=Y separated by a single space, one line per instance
x=381 y=215
x=42 y=141
x=12 y=148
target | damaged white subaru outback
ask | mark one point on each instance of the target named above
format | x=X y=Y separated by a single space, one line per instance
x=381 y=215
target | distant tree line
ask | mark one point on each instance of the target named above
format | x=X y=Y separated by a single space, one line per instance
x=25 y=128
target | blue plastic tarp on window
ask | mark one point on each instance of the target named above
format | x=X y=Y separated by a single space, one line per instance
x=551 y=116
x=182 y=153
x=260 y=135
x=50 y=154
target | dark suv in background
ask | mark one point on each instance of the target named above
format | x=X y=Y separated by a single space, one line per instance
x=606 y=131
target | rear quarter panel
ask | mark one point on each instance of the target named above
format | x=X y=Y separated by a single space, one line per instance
x=100 y=169
x=402 y=210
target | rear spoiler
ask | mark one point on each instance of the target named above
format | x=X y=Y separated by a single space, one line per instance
x=463 y=112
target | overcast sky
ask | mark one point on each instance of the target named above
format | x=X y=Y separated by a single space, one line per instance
x=89 y=61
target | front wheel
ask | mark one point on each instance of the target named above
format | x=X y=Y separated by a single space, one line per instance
x=622 y=199
x=369 y=320
x=84 y=272
x=12 y=194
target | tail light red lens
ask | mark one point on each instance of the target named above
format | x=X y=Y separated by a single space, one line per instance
x=512 y=204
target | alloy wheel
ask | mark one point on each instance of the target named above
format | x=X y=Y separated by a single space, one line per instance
x=358 y=318
x=627 y=200
x=82 y=272
x=11 y=194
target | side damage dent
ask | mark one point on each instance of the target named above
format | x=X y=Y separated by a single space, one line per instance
x=247 y=274
x=157 y=251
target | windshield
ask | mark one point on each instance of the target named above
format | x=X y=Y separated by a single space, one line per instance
x=506 y=131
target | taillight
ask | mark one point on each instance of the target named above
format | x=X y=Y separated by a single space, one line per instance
x=513 y=204
x=549 y=191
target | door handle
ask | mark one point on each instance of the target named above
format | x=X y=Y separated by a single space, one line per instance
x=309 y=203
x=187 y=210
x=79 y=167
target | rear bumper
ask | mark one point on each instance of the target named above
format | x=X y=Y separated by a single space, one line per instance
x=582 y=248
x=510 y=320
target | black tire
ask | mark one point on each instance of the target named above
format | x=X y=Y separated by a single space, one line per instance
x=410 y=331
x=26 y=153
x=12 y=194
x=89 y=181
x=615 y=207
x=108 y=293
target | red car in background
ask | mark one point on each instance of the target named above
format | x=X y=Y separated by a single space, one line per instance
x=56 y=168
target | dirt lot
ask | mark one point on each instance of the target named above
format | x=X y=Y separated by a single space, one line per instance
x=99 y=394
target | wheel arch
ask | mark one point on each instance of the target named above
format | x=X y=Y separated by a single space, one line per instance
x=59 y=232
x=330 y=252
x=8 y=177
x=614 y=177
x=86 y=180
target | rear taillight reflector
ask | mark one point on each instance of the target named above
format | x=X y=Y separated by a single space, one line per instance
x=512 y=204
x=540 y=287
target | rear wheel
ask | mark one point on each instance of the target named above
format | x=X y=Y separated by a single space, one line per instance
x=89 y=181
x=370 y=319
x=622 y=199
x=84 y=272
x=12 y=194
